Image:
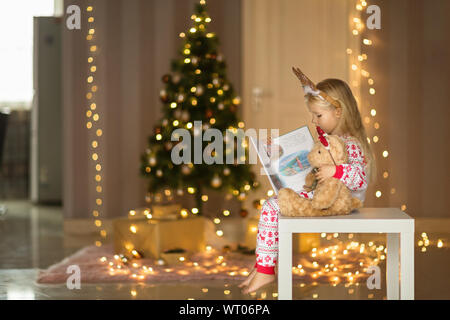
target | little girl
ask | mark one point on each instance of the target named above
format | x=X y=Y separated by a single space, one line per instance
x=341 y=119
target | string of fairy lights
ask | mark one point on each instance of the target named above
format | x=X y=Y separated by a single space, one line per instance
x=357 y=59
x=356 y=64
x=92 y=124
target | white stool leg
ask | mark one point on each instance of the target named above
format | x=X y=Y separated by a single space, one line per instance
x=407 y=265
x=392 y=266
x=285 y=266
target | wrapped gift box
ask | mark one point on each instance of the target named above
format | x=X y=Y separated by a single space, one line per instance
x=302 y=242
x=151 y=237
x=167 y=211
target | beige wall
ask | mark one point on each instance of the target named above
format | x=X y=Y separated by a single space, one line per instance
x=410 y=63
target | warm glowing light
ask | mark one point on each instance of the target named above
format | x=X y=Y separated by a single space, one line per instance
x=378 y=194
x=219 y=233
x=226 y=213
x=385 y=154
x=133 y=228
x=184 y=213
x=365 y=74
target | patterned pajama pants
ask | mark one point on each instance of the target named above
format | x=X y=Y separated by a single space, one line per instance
x=267 y=237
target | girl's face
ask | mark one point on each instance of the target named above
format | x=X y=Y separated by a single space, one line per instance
x=327 y=119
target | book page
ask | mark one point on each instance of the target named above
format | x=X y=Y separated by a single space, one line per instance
x=285 y=160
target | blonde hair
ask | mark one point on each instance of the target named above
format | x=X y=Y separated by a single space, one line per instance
x=350 y=122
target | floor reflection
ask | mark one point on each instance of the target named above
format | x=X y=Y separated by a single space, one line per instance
x=32 y=238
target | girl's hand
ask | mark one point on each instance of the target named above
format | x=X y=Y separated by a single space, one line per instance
x=324 y=172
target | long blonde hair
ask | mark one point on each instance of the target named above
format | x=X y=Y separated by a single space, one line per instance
x=350 y=122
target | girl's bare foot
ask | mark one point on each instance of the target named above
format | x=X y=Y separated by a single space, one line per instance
x=259 y=280
x=246 y=282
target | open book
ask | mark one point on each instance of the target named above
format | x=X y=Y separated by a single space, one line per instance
x=285 y=159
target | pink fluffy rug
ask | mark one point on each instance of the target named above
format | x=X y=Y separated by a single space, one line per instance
x=98 y=265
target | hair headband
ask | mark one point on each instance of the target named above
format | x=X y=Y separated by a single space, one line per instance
x=310 y=87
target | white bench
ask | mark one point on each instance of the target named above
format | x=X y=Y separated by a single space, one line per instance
x=398 y=226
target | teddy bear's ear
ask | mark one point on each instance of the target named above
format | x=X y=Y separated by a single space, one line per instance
x=337 y=149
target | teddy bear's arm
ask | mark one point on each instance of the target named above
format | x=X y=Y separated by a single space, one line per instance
x=326 y=193
x=309 y=181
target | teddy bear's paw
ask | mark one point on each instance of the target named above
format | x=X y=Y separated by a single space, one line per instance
x=292 y=204
x=356 y=203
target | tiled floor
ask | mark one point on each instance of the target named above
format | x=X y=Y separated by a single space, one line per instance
x=32 y=238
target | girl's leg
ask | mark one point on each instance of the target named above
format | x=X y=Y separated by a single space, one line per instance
x=267 y=244
x=267 y=237
x=266 y=250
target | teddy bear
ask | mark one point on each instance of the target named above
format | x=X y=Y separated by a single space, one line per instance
x=331 y=197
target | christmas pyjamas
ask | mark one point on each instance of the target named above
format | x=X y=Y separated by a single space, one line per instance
x=352 y=174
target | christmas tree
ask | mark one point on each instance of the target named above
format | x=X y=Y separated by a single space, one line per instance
x=197 y=89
